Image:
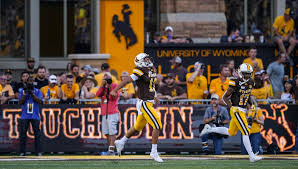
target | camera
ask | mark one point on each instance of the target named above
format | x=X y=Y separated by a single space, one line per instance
x=28 y=88
x=109 y=81
x=249 y=122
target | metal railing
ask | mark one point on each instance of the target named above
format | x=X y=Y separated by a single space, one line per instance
x=182 y=101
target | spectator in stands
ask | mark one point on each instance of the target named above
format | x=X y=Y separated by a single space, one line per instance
x=89 y=88
x=171 y=91
x=69 y=92
x=220 y=84
x=197 y=83
x=296 y=91
x=231 y=65
x=7 y=91
x=51 y=91
x=105 y=67
x=40 y=80
x=283 y=28
x=261 y=90
x=288 y=94
x=128 y=91
x=252 y=59
x=61 y=79
x=24 y=78
x=168 y=37
x=159 y=81
x=156 y=38
x=109 y=110
x=246 y=39
x=235 y=36
x=75 y=72
x=68 y=67
x=9 y=77
x=87 y=69
x=30 y=65
x=275 y=71
x=255 y=120
x=179 y=72
x=215 y=116
x=30 y=98
x=114 y=73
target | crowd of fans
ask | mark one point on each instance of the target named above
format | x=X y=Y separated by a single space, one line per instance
x=75 y=83
x=12 y=30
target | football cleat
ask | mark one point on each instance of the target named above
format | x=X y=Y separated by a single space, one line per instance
x=156 y=157
x=206 y=130
x=119 y=146
x=255 y=158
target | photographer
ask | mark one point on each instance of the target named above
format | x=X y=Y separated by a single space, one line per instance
x=215 y=116
x=255 y=118
x=109 y=111
x=30 y=98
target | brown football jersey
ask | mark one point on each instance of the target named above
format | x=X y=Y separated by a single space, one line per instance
x=146 y=82
x=241 y=93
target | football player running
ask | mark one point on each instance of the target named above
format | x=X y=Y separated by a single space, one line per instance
x=144 y=74
x=239 y=91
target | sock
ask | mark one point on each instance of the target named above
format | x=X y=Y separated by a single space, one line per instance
x=111 y=148
x=154 y=148
x=247 y=145
x=124 y=139
x=220 y=130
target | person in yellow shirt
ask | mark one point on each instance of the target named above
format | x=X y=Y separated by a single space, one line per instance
x=220 y=84
x=104 y=68
x=69 y=92
x=128 y=91
x=89 y=89
x=6 y=90
x=196 y=83
x=51 y=91
x=283 y=28
x=252 y=59
x=255 y=118
x=263 y=87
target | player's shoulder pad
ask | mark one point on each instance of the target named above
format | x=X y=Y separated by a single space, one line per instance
x=138 y=70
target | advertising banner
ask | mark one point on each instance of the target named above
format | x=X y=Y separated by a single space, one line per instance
x=77 y=128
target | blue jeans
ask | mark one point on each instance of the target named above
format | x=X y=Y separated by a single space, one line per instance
x=296 y=139
x=217 y=143
x=255 y=141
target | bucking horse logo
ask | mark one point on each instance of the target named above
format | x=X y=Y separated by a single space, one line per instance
x=124 y=28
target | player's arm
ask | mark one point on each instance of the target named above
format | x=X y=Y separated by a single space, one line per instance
x=252 y=100
x=226 y=97
x=120 y=85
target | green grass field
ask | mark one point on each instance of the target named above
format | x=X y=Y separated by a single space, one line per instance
x=143 y=164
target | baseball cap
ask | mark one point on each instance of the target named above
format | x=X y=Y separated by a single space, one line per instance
x=8 y=71
x=53 y=79
x=30 y=59
x=260 y=72
x=105 y=66
x=169 y=28
x=214 y=96
x=170 y=75
x=124 y=73
x=95 y=70
x=157 y=34
x=177 y=59
x=88 y=67
x=288 y=11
